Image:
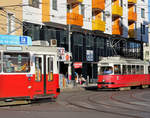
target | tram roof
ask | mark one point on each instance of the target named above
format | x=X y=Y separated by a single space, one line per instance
x=41 y=49
x=120 y=60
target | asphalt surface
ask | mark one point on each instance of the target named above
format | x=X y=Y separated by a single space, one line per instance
x=86 y=103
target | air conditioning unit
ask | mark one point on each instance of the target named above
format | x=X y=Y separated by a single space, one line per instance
x=53 y=42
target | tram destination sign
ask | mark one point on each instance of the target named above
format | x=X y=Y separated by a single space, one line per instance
x=15 y=40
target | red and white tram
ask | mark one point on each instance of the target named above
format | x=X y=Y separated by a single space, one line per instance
x=117 y=72
x=28 y=72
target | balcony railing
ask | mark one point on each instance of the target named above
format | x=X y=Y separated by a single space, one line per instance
x=132 y=1
x=132 y=16
x=74 y=1
x=117 y=10
x=98 y=25
x=132 y=33
x=75 y=19
x=98 y=5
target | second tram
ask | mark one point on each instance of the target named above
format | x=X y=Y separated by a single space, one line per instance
x=117 y=72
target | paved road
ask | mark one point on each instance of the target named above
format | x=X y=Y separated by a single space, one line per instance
x=81 y=103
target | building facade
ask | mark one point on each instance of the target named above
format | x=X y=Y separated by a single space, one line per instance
x=97 y=27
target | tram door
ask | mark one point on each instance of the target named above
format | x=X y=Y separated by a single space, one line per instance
x=49 y=79
x=39 y=75
x=43 y=75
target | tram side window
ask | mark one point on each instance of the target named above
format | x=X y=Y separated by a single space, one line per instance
x=106 y=70
x=50 y=69
x=38 y=68
x=148 y=69
x=124 y=70
x=16 y=62
x=142 y=70
x=133 y=69
x=117 y=69
x=129 y=69
x=137 y=69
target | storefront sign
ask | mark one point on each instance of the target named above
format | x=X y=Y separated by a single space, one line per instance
x=15 y=40
x=61 y=54
x=89 y=55
x=77 y=65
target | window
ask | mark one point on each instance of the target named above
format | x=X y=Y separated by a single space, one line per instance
x=117 y=69
x=34 y=3
x=16 y=62
x=82 y=10
x=38 y=68
x=137 y=69
x=148 y=69
x=54 y=4
x=129 y=69
x=107 y=70
x=142 y=70
x=10 y=22
x=142 y=13
x=143 y=29
x=124 y=69
x=50 y=69
x=133 y=69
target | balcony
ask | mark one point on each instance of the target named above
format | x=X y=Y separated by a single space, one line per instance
x=132 y=16
x=117 y=10
x=98 y=5
x=98 y=24
x=132 y=1
x=74 y=1
x=74 y=19
x=132 y=33
x=116 y=29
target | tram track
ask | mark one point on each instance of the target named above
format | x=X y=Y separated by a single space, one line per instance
x=99 y=110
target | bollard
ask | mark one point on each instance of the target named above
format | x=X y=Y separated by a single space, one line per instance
x=87 y=81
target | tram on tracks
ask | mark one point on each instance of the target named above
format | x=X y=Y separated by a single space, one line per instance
x=28 y=72
x=118 y=72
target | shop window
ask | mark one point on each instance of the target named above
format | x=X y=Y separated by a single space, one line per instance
x=38 y=68
x=16 y=62
x=117 y=69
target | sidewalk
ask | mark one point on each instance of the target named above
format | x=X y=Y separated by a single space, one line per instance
x=71 y=87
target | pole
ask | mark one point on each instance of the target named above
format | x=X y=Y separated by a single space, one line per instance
x=69 y=48
x=141 y=42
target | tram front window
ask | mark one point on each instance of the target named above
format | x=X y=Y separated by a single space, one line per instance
x=16 y=62
x=107 y=70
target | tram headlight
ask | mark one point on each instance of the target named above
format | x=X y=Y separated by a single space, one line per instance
x=103 y=80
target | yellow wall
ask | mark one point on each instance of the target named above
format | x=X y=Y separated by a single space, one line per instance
x=16 y=10
x=45 y=10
